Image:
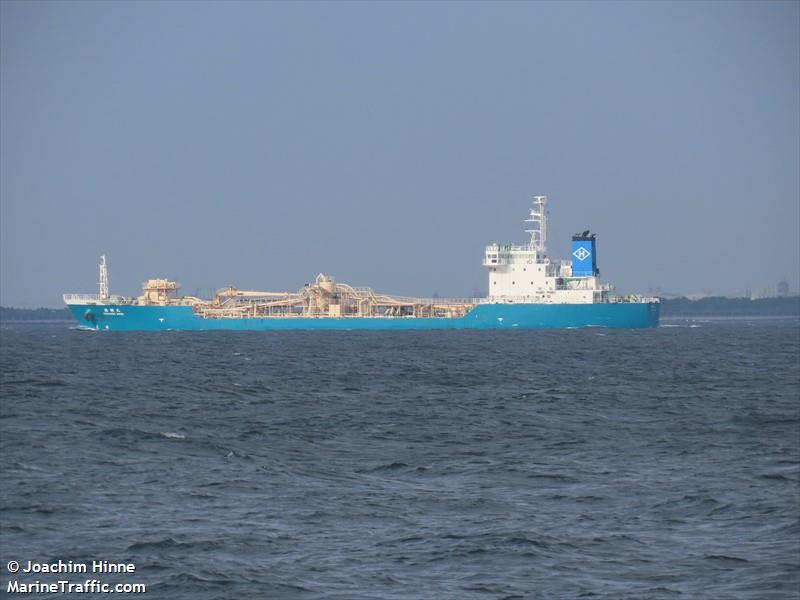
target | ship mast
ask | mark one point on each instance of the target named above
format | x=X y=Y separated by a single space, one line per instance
x=103 y=278
x=538 y=221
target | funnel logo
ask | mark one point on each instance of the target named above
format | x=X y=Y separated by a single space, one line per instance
x=581 y=253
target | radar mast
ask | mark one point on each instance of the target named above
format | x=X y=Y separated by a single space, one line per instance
x=538 y=227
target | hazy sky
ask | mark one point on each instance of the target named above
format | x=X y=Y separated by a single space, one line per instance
x=258 y=144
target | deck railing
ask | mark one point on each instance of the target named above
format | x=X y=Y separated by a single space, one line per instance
x=630 y=299
x=81 y=298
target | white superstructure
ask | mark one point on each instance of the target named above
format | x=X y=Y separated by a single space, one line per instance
x=525 y=274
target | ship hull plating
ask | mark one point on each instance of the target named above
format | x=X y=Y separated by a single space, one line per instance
x=482 y=316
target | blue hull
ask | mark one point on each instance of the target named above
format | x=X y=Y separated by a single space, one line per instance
x=483 y=316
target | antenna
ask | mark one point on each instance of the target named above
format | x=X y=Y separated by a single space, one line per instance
x=538 y=220
x=103 y=278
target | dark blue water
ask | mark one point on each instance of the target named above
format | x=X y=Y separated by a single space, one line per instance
x=558 y=464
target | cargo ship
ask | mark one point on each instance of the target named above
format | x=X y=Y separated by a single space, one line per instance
x=527 y=290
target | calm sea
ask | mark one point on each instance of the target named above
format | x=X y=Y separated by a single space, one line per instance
x=657 y=463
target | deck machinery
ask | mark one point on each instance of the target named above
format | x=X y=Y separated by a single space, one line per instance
x=323 y=298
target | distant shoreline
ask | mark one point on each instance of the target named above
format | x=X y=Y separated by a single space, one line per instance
x=674 y=318
x=34 y=315
x=35 y=321
x=721 y=308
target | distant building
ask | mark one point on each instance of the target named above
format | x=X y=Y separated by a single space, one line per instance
x=782 y=289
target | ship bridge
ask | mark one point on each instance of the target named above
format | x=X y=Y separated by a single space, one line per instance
x=525 y=273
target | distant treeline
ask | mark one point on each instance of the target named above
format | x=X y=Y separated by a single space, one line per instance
x=34 y=314
x=672 y=307
x=731 y=307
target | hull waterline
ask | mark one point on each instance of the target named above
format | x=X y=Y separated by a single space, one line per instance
x=482 y=316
